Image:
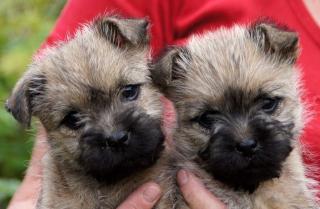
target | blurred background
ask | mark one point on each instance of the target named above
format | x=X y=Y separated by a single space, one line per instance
x=24 y=25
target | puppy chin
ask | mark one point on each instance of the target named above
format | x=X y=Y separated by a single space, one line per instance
x=112 y=164
x=243 y=172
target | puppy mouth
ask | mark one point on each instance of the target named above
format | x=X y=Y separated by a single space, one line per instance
x=110 y=161
x=245 y=168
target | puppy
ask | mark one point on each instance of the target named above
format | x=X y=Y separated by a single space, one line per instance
x=240 y=115
x=102 y=114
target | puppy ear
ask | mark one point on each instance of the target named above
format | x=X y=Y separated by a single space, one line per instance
x=275 y=40
x=122 y=32
x=171 y=66
x=21 y=101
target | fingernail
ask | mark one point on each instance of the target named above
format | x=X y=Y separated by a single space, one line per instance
x=151 y=193
x=183 y=177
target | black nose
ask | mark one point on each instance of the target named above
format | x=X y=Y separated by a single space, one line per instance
x=118 y=138
x=247 y=146
x=99 y=139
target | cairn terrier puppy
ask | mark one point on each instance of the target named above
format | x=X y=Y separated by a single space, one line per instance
x=95 y=98
x=240 y=115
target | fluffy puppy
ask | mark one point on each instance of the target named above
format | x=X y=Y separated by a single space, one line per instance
x=102 y=114
x=240 y=115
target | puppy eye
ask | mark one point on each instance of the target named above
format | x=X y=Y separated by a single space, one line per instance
x=207 y=119
x=269 y=105
x=130 y=92
x=71 y=120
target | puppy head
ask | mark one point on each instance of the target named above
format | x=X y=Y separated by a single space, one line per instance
x=237 y=96
x=95 y=97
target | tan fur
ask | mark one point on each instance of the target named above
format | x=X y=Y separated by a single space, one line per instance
x=197 y=75
x=65 y=189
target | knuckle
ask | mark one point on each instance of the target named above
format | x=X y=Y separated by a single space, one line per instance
x=190 y=196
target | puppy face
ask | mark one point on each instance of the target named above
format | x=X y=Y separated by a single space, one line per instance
x=95 y=97
x=237 y=96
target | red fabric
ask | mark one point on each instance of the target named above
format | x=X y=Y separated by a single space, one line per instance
x=174 y=21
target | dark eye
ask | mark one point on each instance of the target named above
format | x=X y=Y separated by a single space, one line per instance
x=130 y=92
x=207 y=119
x=71 y=120
x=269 y=105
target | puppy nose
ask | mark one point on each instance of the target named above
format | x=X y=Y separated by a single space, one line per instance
x=247 y=146
x=118 y=138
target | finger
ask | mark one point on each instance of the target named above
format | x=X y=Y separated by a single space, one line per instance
x=169 y=121
x=143 y=198
x=195 y=193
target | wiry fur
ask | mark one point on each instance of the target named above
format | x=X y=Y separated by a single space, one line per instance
x=87 y=74
x=227 y=72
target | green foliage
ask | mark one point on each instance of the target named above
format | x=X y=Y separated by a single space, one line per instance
x=7 y=188
x=24 y=26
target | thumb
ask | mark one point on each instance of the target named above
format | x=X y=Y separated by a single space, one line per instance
x=195 y=193
x=144 y=197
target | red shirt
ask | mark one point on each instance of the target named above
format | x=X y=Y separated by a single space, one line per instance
x=174 y=21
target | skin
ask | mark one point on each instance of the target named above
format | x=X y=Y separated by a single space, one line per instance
x=196 y=195
x=144 y=197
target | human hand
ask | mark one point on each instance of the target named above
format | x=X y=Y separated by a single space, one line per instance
x=26 y=196
x=145 y=197
x=195 y=193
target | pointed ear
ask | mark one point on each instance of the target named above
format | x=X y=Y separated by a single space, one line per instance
x=171 y=66
x=21 y=101
x=275 y=40
x=121 y=32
